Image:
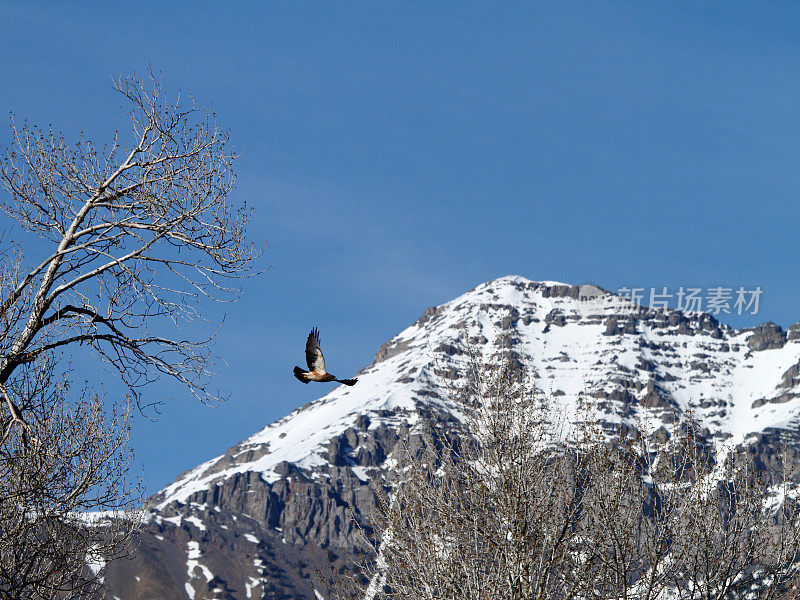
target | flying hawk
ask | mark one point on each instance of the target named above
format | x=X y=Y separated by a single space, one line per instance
x=316 y=363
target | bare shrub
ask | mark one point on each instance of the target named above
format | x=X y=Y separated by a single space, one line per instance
x=517 y=505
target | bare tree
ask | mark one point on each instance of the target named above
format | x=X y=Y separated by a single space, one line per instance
x=517 y=506
x=76 y=461
x=735 y=527
x=140 y=230
x=685 y=521
x=134 y=236
x=486 y=512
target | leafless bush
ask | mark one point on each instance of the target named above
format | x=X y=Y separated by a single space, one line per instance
x=517 y=505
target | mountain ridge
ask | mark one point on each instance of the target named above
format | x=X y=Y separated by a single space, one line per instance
x=298 y=481
x=508 y=289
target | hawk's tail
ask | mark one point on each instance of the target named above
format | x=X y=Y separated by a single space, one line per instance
x=347 y=381
x=300 y=374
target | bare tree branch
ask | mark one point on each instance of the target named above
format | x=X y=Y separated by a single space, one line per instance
x=141 y=236
x=77 y=462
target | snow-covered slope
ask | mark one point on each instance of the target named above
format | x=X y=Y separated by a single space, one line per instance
x=629 y=359
x=265 y=516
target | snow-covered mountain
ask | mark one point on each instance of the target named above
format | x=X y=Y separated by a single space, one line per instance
x=260 y=520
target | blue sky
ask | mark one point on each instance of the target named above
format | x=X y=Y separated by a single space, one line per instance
x=397 y=154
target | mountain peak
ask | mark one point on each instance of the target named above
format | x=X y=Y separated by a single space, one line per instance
x=629 y=360
x=519 y=279
x=283 y=498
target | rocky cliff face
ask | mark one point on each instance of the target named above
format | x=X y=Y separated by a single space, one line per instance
x=273 y=513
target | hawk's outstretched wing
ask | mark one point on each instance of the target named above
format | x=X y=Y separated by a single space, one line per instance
x=314 y=358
